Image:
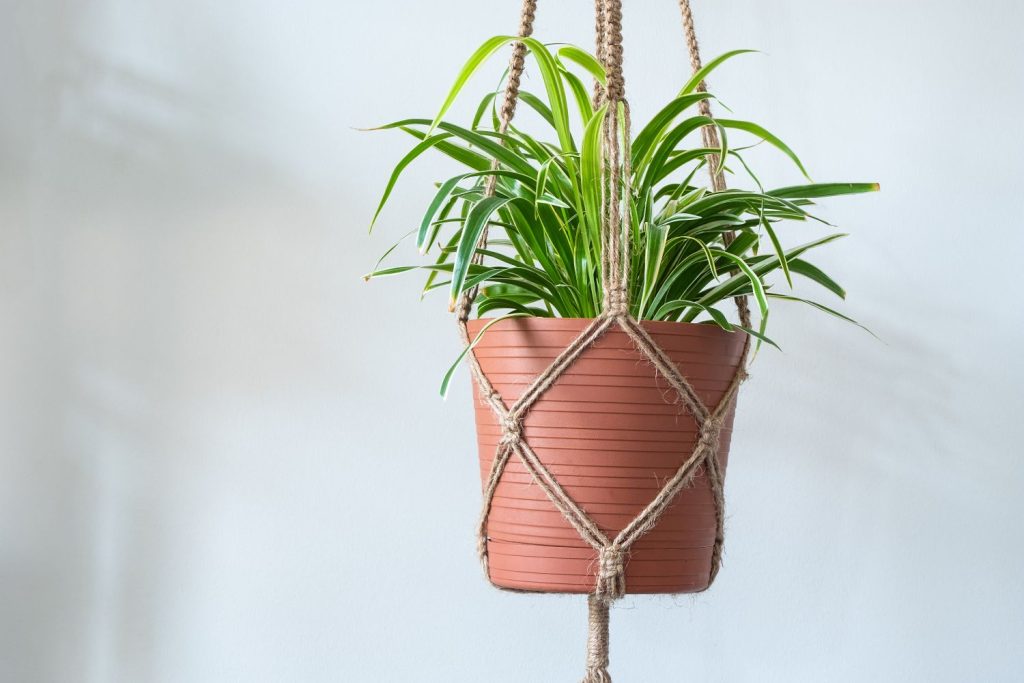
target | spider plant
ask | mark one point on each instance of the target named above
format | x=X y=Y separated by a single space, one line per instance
x=543 y=258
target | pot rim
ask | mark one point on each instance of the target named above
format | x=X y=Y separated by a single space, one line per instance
x=583 y=322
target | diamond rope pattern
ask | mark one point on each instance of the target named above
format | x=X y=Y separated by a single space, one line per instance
x=610 y=582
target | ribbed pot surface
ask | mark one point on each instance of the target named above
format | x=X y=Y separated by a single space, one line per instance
x=612 y=431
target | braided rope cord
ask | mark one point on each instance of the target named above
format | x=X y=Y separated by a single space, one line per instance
x=709 y=134
x=615 y=277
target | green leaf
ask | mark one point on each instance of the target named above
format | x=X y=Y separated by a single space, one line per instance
x=653 y=170
x=824 y=309
x=538 y=106
x=440 y=198
x=446 y=381
x=653 y=253
x=503 y=303
x=816 y=190
x=755 y=281
x=777 y=246
x=448 y=189
x=580 y=94
x=584 y=59
x=681 y=304
x=471 y=232
x=591 y=172
x=397 y=270
x=448 y=249
x=419 y=149
x=759 y=336
x=759 y=264
x=700 y=76
x=645 y=140
x=464 y=156
x=702 y=245
x=814 y=273
x=486 y=103
x=723 y=151
x=542 y=181
x=760 y=132
x=387 y=253
x=551 y=75
x=488 y=142
x=489 y=47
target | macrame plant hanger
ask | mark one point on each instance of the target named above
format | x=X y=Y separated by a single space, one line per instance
x=612 y=553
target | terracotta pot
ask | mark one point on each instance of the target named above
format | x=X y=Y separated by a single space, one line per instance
x=612 y=432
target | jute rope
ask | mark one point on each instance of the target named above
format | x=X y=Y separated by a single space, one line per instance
x=617 y=237
x=599 y=49
x=709 y=134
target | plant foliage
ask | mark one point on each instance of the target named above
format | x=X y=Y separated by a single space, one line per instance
x=544 y=252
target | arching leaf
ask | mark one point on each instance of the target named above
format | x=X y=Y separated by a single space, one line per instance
x=695 y=80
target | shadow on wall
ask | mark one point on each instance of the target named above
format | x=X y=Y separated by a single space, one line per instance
x=922 y=399
x=153 y=291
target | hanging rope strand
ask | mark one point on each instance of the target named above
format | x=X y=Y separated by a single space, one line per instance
x=615 y=139
x=709 y=134
x=627 y=191
x=611 y=579
x=510 y=99
x=599 y=50
x=517 y=64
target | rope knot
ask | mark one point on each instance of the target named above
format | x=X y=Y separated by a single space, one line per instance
x=511 y=430
x=611 y=573
x=710 y=430
x=616 y=302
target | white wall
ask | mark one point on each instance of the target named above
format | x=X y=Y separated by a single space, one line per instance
x=222 y=457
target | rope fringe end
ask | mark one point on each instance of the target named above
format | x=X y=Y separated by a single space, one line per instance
x=599 y=675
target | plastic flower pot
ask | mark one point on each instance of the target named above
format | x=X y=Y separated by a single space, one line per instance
x=612 y=431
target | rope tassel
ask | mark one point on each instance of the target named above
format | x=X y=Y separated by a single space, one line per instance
x=597 y=642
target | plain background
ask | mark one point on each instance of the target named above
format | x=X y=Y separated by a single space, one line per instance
x=223 y=457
